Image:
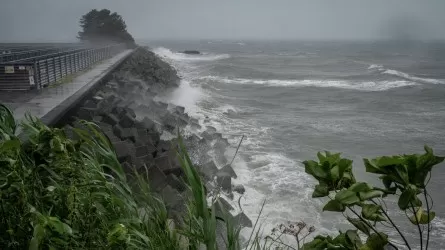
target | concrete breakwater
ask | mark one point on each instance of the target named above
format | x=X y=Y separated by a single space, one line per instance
x=143 y=131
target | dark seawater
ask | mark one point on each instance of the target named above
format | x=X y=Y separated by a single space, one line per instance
x=293 y=99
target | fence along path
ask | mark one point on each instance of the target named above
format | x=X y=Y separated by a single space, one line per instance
x=41 y=71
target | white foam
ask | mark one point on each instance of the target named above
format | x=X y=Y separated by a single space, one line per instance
x=412 y=78
x=404 y=75
x=185 y=95
x=176 y=56
x=227 y=108
x=375 y=66
x=362 y=86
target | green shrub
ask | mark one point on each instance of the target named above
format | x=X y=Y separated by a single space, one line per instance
x=403 y=176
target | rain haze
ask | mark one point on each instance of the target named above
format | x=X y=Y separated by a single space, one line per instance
x=57 y=20
x=257 y=88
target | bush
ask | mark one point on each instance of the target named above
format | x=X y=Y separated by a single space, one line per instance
x=104 y=27
x=403 y=176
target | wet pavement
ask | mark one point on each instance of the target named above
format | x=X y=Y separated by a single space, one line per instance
x=41 y=103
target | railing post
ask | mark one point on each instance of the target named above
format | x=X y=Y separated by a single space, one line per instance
x=54 y=69
x=36 y=75
x=66 y=65
x=76 y=59
x=90 y=57
x=61 y=69
x=47 y=70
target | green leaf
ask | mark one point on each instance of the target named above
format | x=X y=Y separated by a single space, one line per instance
x=335 y=173
x=386 y=161
x=321 y=190
x=402 y=172
x=360 y=187
x=387 y=181
x=372 y=212
x=347 y=197
x=370 y=195
x=376 y=242
x=360 y=225
x=314 y=169
x=406 y=198
x=371 y=167
x=354 y=238
x=422 y=217
x=334 y=206
x=344 y=165
x=321 y=157
x=34 y=244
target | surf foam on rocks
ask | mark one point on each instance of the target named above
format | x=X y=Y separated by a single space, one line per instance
x=136 y=124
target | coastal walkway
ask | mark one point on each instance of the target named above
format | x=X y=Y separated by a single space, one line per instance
x=50 y=104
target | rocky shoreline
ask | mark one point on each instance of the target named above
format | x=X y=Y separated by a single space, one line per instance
x=126 y=109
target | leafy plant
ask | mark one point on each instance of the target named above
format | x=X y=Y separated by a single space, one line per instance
x=405 y=176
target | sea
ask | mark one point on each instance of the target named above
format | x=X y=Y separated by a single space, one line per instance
x=292 y=99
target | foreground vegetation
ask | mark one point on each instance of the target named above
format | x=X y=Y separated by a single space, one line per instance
x=60 y=192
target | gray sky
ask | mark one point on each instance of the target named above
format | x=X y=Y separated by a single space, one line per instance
x=58 y=20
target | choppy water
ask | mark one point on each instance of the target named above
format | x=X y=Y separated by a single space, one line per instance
x=292 y=99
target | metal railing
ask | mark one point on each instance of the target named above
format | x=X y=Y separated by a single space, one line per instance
x=26 y=54
x=41 y=71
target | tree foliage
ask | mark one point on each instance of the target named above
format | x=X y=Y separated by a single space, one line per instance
x=102 y=26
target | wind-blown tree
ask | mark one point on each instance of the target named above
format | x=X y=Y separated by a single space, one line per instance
x=104 y=27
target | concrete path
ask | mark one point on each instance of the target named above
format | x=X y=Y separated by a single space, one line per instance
x=54 y=99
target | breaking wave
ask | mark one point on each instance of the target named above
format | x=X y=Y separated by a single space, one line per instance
x=403 y=75
x=361 y=86
x=177 y=56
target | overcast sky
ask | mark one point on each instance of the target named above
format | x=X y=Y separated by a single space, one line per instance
x=58 y=20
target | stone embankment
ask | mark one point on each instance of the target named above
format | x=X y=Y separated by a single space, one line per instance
x=126 y=109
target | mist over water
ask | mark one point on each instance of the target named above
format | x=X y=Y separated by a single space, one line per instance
x=293 y=99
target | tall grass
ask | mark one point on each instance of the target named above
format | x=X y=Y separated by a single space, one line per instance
x=62 y=193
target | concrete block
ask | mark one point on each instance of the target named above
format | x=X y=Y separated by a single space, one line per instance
x=164 y=146
x=85 y=113
x=148 y=123
x=110 y=119
x=118 y=131
x=127 y=120
x=113 y=138
x=157 y=178
x=90 y=104
x=227 y=169
x=97 y=118
x=239 y=189
x=209 y=170
x=176 y=183
x=207 y=136
x=123 y=151
x=130 y=134
x=105 y=127
x=242 y=220
x=210 y=129
x=222 y=205
x=224 y=180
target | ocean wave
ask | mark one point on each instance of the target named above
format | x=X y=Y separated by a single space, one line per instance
x=375 y=66
x=403 y=75
x=176 y=56
x=361 y=86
